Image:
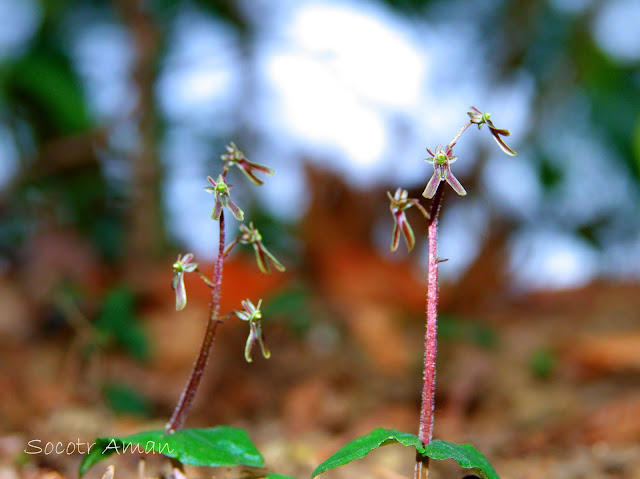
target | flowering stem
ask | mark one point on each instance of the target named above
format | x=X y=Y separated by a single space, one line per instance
x=457 y=137
x=188 y=394
x=430 y=346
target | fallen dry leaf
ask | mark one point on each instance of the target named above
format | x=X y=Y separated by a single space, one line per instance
x=612 y=352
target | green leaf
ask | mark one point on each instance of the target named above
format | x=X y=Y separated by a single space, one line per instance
x=104 y=447
x=464 y=454
x=273 y=475
x=212 y=447
x=217 y=446
x=362 y=446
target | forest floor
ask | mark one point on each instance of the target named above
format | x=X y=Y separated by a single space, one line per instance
x=546 y=385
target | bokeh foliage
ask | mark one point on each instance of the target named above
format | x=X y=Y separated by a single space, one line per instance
x=44 y=103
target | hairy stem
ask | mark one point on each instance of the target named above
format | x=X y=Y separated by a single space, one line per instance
x=430 y=344
x=188 y=394
x=457 y=137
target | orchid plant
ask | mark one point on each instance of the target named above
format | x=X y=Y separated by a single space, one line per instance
x=230 y=446
x=248 y=235
x=465 y=454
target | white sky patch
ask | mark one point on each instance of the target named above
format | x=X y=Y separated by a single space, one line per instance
x=615 y=29
x=184 y=92
x=197 y=78
x=363 y=51
x=337 y=77
x=187 y=204
x=586 y=167
x=110 y=91
x=319 y=109
x=512 y=184
x=552 y=260
x=460 y=234
x=510 y=107
x=24 y=18
x=284 y=194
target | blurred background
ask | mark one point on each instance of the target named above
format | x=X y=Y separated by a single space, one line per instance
x=112 y=114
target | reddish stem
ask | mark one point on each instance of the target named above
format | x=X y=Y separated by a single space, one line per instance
x=430 y=345
x=188 y=394
x=457 y=137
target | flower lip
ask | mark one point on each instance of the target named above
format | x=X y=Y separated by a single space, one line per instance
x=442 y=160
x=181 y=266
x=223 y=198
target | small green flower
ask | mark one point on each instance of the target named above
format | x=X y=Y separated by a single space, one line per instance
x=235 y=157
x=180 y=267
x=253 y=315
x=442 y=159
x=399 y=203
x=480 y=118
x=223 y=198
x=264 y=258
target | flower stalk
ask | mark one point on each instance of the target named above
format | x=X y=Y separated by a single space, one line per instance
x=189 y=392
x=251 y=313
x=430 y=341
x=441 y=159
